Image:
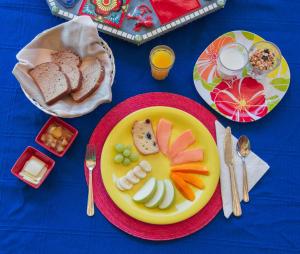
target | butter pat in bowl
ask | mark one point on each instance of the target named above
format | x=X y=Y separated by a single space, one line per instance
x=33 y=167
x=56 y=136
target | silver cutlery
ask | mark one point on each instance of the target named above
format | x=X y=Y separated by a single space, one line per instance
x=90 y=162
x=243 y=149
x=228 y=154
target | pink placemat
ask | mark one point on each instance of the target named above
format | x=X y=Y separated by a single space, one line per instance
x=102 y=200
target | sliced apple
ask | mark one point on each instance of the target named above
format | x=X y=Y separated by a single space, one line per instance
x=169 y=195
x=158 y=195
x=146 y=192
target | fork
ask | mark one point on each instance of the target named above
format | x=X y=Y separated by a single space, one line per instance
x=90 y=162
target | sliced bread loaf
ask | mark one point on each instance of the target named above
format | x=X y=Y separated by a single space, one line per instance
x=65 y=57
x=144 y=138
x=52 y=83
x=92 y=76
x=74 y=75
x=69 y=63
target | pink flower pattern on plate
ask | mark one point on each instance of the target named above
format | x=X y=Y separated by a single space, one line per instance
x=241 y=100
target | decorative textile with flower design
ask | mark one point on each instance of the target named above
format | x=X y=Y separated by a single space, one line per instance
x=105 y=7
x=110 y=12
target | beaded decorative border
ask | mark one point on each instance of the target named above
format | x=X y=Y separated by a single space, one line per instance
x=137 y=38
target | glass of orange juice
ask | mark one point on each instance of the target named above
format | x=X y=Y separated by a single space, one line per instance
x=161 y=60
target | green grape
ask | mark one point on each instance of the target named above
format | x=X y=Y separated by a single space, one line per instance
x=119 y=148
x=118 y=158
x=129 y=147
x=134 y=157
x=126 y=152
x=126 y=162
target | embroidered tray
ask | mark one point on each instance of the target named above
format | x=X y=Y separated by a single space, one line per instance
x=136 y=21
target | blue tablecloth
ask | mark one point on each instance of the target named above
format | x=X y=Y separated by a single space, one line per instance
x=52 y=219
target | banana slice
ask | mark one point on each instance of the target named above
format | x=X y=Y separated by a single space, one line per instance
x=139 y=172
x=124 y=183
x=132 y=178
x=119 y=186
x=146 y=166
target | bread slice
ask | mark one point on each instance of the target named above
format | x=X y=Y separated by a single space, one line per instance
x=92 y=76
x=74 y=75
x=144 y=138
x=65 y=57
x=52 y=83
x=69 y=63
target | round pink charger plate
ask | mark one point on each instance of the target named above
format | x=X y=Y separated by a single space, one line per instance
x=102 y=200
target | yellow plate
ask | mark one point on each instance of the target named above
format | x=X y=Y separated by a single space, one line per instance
x=181 y=209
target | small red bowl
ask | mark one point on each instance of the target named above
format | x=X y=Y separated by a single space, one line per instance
x=25 y=156
x=62 y=124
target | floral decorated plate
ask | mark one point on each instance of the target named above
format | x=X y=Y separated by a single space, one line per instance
x=245 y=99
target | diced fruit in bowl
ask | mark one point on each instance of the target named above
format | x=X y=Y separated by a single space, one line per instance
x=56 y=136
x=169 y=196
x=146 y=192
x=158 y=195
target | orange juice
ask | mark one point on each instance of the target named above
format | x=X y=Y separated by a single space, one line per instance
x=161 y=60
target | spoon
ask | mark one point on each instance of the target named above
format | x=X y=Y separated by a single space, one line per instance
x=243 y=149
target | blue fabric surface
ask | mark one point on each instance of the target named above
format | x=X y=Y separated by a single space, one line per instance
x=52 y=219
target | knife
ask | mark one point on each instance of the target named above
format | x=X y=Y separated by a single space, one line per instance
x=228 y=155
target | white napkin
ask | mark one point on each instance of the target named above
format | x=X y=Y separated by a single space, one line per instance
x=256 y=168
x=81 y=35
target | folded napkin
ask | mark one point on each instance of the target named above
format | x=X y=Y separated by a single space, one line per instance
x=80 y=35
x=256 y=168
